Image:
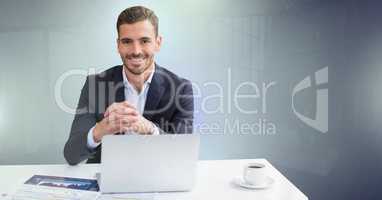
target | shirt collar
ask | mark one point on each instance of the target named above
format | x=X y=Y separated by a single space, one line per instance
x=128 y=84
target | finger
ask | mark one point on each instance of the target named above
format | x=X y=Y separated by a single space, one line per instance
x=135 y=127
x=127 y=104
x=118 y=106
x=111 y=107
x=127 y=121
x=131 y=128
x=127 y=111
x=122 y=110
x=112 y=125
x=114 y=117
x=125 y=129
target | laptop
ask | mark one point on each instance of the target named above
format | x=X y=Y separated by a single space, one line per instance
x=155 y=163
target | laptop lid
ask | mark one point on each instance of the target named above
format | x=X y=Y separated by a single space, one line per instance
x=155 y=163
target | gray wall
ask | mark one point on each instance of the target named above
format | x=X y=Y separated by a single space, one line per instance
x=219 y=45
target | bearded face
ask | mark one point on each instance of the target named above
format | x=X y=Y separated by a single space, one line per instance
x=137 y=45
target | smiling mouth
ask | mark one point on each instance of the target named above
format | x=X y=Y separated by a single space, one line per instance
x=136 y=61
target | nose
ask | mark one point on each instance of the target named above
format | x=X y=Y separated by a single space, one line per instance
x=136 y=48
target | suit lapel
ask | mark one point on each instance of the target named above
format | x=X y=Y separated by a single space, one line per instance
x=119 y=89
x=155 y=92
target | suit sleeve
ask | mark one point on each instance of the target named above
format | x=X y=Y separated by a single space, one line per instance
x=76 y=150
x=183 y=118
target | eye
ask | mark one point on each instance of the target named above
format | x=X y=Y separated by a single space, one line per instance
x=125 y=41
x=146 y=41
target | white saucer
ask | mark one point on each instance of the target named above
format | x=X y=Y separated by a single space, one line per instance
x=240 y=182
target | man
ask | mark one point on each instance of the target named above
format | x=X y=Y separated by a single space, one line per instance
x=138 y=97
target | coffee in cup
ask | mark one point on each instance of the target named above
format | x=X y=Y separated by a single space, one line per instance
x=255 y=173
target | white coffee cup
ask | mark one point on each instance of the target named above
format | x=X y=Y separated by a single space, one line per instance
x=255 y=174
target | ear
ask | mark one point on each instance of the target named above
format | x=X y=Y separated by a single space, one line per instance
x=158 y=42
x=118 y=45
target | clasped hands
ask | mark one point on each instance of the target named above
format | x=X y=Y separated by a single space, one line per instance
x=119 y=118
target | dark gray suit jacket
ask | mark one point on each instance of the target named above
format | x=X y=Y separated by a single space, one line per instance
x=169 y=105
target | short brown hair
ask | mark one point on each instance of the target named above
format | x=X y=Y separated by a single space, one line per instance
x=137 y=14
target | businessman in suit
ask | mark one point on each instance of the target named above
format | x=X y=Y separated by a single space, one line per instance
x=138 y=97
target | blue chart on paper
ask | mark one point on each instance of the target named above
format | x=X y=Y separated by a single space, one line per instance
x=64 y=182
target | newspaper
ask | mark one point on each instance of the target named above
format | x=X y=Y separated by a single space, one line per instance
x=41 y=187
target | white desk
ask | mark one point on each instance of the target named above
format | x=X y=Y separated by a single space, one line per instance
x=213 y=180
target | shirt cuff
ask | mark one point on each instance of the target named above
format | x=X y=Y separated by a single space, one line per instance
x=91 y=143
x=156 y=129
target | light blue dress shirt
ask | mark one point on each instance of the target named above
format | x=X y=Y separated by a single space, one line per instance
x=137 y=99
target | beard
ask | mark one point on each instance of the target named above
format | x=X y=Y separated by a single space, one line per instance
x=137 y=64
